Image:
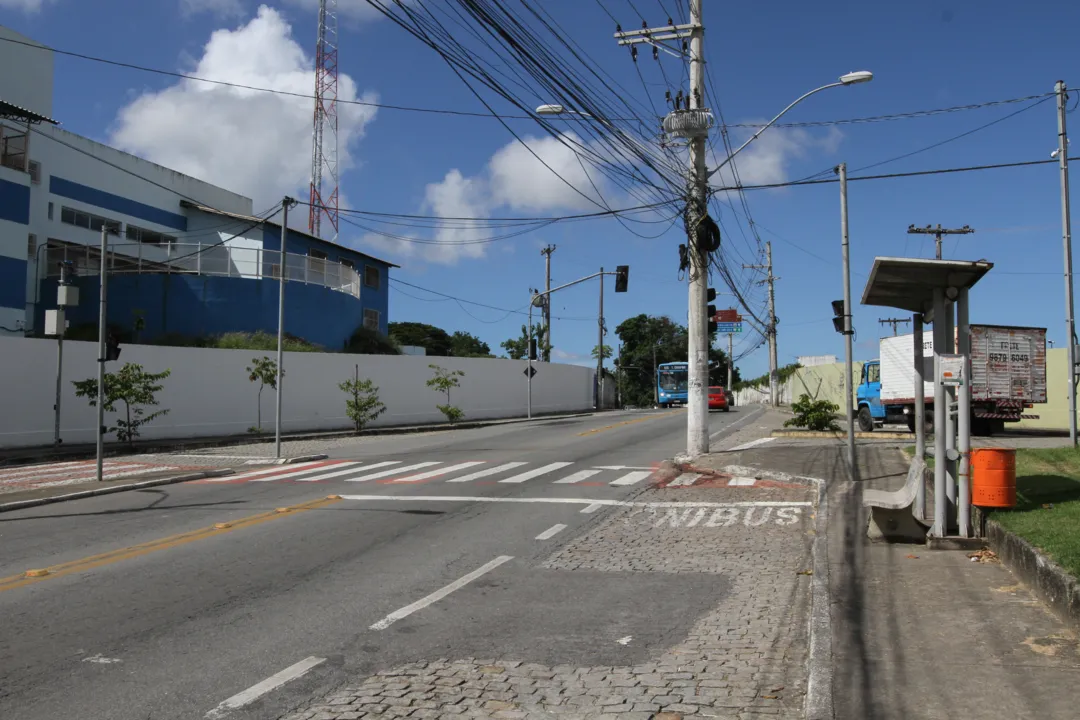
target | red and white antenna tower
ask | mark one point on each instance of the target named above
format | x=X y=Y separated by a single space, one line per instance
x=324 y=149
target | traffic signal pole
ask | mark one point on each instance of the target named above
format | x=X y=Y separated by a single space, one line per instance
x=103 y=278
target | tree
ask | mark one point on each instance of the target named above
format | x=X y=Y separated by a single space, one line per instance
x=366 y=341
x=605 y=349
x=463 y=344
x=518 y=348
x=813 y=414
x=362 y=404
x=263 y=370
x=434 y=340
x=443 y=381
x=132 y=386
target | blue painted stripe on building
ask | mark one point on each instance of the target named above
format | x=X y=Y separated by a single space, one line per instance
x=12 y=282
x=116 y=203
x=14 y=202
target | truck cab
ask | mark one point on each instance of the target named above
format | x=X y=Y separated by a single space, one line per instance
x=870 y=410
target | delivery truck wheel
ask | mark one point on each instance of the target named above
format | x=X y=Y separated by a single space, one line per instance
x=928 y=423
x=866 y=421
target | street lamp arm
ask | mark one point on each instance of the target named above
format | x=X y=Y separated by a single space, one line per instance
x=767 y=125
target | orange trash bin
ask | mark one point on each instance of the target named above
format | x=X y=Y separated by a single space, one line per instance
x=993 y=477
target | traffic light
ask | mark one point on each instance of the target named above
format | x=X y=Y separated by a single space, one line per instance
x=112 y=347
x=838 y=316
x=711 y=294
x=532 y=348
x=710 y=311
x=622 y=277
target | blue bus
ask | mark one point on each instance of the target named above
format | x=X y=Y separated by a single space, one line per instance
x=672 y=380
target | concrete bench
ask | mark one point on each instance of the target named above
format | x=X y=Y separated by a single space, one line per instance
x=891 y=512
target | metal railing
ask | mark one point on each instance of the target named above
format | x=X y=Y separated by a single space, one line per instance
x=202 y=259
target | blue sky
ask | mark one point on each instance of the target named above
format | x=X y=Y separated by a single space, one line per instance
x=925 y=55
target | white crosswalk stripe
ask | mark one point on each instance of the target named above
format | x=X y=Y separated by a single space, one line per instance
x=256 y=473
x=392 y=471
x=685 y=480
x=487 y=473
x=302 y=471
x=328 y=475
x=632 y=478
x=530 y=474
x=578 y=477
x=441 y=471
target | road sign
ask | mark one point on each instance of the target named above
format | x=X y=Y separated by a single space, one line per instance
x=728 y=316
x=529 y=371
x=729 y=327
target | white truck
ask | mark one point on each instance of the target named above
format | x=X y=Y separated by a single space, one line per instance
x=1008 y=375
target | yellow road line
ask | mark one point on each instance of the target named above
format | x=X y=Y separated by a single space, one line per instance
x=628 y=422
x=88 y=563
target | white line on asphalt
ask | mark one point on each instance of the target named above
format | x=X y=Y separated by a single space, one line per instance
x=578 y=501
x=592 y=508
x=441 y=471
x=684 y=480
x=326 y=476
x=440 y=593
x=391 y=471
x=485 y=473
x=255 y=473
x=737 y=424
x=529 y=475
x=578 y=477
x=271 y=683
x=625 y=640
x=621 y=467
x=744 y=481
x=551 y=532
x=632 y=478
x=752 y=443
x=304 y=471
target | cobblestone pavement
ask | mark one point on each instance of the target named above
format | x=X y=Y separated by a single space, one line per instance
x=745 y=658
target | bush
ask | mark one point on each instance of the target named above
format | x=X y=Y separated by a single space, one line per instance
x=362 y=403
x=813 y=414
x=365 y=341
x=442 y=382
x=132 y=386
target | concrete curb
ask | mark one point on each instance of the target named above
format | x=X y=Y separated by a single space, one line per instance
x=819 y=684
x=1050 y=582
x=300 y=459
x=21 y=504
x=884 y=435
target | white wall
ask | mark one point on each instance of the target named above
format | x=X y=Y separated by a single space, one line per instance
x=26 y=73
x=208 y=392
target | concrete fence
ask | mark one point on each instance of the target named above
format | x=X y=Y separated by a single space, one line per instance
x=209 y=393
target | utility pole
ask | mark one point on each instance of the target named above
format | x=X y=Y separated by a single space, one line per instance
x=938 y=232
x=103 y=278
x=894 y=322
x=842 y=170
x=546 y=252
x=770 y=331
x=599 y=347
x=286 y=202
x=730 y=359
x=1066 y=239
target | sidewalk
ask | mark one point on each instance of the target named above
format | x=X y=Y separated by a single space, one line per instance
x=919 y=633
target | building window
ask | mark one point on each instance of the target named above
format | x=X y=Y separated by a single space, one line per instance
x=371 y=276
x=78 y=218
x=148 y=237
x=347 y=263
x=317 y=254
x=35 y=172
x=31 y=246
x=371 y=320
x=50 y=211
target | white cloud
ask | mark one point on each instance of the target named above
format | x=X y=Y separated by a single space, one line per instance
x=767 y=159
x=360 y=10
x=254 y=143
x=30 y=6
x=532 y=179
x=221 y=8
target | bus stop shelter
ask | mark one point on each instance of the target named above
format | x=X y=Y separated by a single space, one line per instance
x=936 y=291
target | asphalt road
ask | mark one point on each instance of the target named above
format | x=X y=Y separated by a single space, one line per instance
x=149 y=612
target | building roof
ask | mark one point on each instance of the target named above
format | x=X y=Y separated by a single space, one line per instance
x=909 y=283
x=262 y=221
x=11 y=111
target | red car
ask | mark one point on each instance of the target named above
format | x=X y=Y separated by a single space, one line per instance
x=718 y=399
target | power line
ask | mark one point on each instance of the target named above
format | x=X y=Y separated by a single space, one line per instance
x=483 y=305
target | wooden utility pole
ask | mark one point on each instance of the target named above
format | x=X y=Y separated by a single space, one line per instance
x=938 y=232
x=894 y=322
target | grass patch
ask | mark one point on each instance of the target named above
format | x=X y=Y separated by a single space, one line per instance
x=1047 y=512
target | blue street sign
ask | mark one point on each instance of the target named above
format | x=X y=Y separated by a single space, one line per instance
x=725 y=328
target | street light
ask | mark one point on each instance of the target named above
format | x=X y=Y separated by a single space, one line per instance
x=852 y=78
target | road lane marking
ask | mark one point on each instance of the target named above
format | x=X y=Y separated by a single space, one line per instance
x=625 y=640
x=530 y=474
x=577 y=477
x=441 y=471
x=267 y=471
x=440 y=593
x=485 y=473
x=577 y=501
x=271 y=683
x=391 y=471
x=621 y=467
x=752 y=443
x=632 y=478
x=326 y=476
x=741 y=481
x=551 y=532
x=732 y=427
x=684 y=480
x=627 y=422
x=134 y=551
x=592 y=508
x=305 y=471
